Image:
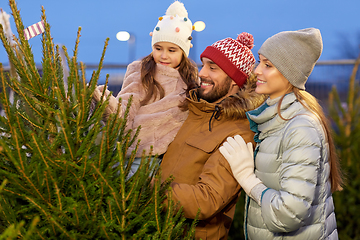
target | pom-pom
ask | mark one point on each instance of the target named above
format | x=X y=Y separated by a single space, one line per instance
x=177 y=29
x=151 y=34
x=185 y=19
x=177 y=8
x=246 y=39
x=157 y=28
x=171 y=17
x=193 y=27
x=191 y=45
x=161 y=18
x=190 y=38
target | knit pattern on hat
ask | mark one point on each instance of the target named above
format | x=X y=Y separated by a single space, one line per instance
x=234 y=57
x=294 y=53
x=174 y=27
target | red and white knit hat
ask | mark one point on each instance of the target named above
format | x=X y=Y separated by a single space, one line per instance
x=234 y=57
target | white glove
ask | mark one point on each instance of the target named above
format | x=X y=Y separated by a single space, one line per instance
x=240 y=157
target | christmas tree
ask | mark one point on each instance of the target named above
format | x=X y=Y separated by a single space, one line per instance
x=14 y=230
x=345 y=116
x=58 y=158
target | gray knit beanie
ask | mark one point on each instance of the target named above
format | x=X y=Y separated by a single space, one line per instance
x=294 y=53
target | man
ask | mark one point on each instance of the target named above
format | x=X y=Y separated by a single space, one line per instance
x=202 y=177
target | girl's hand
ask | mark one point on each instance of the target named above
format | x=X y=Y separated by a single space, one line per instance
x=98 y=92
x=113 y=102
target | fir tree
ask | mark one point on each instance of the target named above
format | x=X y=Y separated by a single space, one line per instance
x=59 y=159
x=346 y=122
x=14 y=230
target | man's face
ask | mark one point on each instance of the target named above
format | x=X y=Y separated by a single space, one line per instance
x=215 y=84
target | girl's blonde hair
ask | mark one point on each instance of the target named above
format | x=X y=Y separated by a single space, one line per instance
x=311 y=103
x=187 y=70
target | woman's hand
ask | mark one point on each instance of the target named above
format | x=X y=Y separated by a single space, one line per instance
x=240 y=158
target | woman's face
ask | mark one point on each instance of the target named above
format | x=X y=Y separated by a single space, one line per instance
x=269 y=80
x=168 y=54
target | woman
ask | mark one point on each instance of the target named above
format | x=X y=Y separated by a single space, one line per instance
x=290 y=193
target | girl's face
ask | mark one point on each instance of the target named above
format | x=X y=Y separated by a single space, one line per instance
x=168 y=54
x=269 y=80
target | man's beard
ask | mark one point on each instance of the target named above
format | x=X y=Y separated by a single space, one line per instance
x=217 y=92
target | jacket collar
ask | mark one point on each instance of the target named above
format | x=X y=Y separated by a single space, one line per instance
x=265 y=119
x=269 y=109
x=199 y=103
x=200 y=107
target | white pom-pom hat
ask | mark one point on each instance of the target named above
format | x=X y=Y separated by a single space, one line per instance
x=175 y=27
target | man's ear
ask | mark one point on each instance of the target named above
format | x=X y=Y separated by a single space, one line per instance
x=233 y=83
x=234 y=86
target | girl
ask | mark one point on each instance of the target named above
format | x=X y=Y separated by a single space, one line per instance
x=159 y=84
x=290 y=193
